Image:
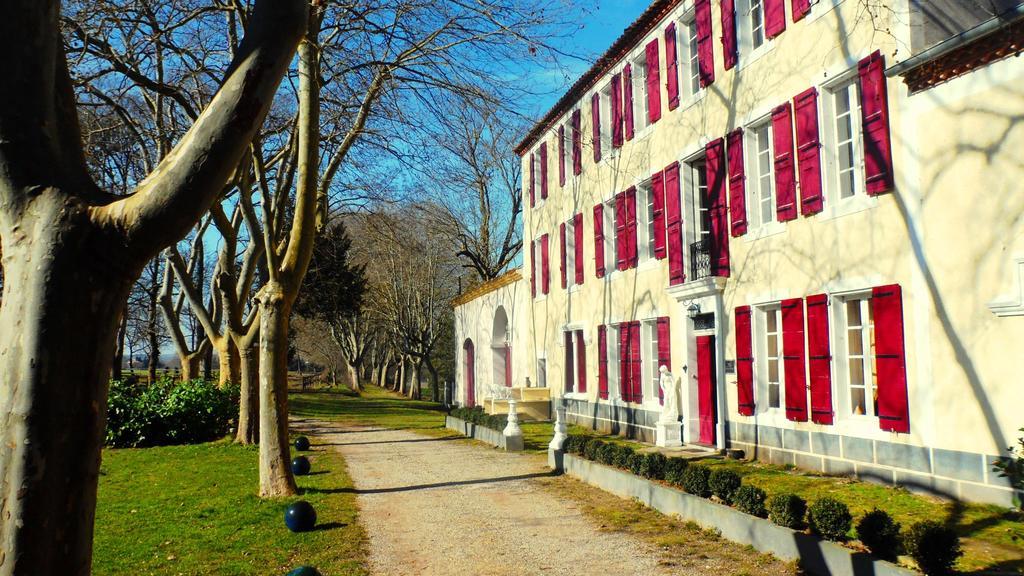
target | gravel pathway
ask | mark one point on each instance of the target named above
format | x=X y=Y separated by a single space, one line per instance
x=450 y=507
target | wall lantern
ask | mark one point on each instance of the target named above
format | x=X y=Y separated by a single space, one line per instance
x=693 y=310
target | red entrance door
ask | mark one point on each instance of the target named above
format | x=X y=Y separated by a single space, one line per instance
x=470 y=371
x=706 y=388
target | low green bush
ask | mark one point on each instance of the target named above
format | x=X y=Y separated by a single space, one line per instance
x=787 y=510
x=476 y=415
x=653 y=466
x=830 y=518
x=695 y=480
x=592 y=449
x=933 y=546
x=608 y=453
x=724 y=484
x=880 y=533
x=623 y=456
x=636 y=462
x=750 y=499
x=168 y=412
x=674 y=469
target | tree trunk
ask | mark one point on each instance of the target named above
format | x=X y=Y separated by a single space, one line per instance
x=230 y=365
x=275 y=472
x=190 y=365
x=58 y=326
x=401 y=377
x=249 y=400
x=353 y=376
x=122 y=331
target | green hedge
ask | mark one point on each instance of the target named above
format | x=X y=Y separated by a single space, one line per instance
x=168 y=412
x=476 y=415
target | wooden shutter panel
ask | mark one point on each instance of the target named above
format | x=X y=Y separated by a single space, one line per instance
x=533 y=269
x=595 y=119
x=800 y=9
x=782 y=149
x=562 y=253
x=653 y=82
x=671 y=67
x=793 y=359
x=890 y=359
x=625 y=388
x=543 y=170
x=545 y=265
x=561 y=155
x=636 y=362
x=715 y=167
x=729 y=44
x=705 y=48
x=658 y=190
x=808 y=147
x=581 y=361
x=774 y=17
x=819 y=359
x=568 y=365
x=664 y=351
x=602 y=362
x=744 y=362
x=599 y=240
x=674 y=241
x=577 y=230
x=533 y=179
x=577 y=144
x=631 y=228
x=616 y=111
x=627 y=100
x=621 y=247
x=874 y=107
x=737 y=183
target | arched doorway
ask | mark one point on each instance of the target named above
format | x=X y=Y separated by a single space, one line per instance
x=501 y=349
x=469 y=372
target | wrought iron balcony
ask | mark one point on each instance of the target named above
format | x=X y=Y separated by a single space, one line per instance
x=700 y=259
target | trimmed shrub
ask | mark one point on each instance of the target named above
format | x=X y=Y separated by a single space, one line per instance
x=724 y=484
x=787 y=510
x=593 y=449
x=607 y=454
x=674 y=470
x=168 y=412
x=750 y=499
x=622 y=458
x=653 y=466
x=636 y=462
x=572 y=444
x=695 y=480
x=830 y=518
x=933 y=546
x=476 y=415
x=880 y=533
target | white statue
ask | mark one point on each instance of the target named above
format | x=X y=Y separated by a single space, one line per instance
x=670 y=410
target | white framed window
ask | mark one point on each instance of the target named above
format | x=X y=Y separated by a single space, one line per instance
x=542 y=372
x=698 y=190
x=761 y=180
x=573 y=340
x=771 y=372
x=855 y=355
x=845 y=143
x=570 y=253
x=645 y=224
x=606 y=120
x=750 y=27
x=567 y=148
x=610 y=238
x=538 y=267
x=755 y=23
x=649 y=358
x=688 y=59
x=640 y=92
x=612 y=336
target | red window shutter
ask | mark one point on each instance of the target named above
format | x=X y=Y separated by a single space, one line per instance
x=577 y=230
x=807 y=151
x=653 y=82
x=774 y=17
x=581 y=361
x=874 y=107
x=625 y=388
x=533 y=269
x=595 y=119
x=658 y=189
x=616 y=111
x=671 y=67
x=737 y=183
x=635 y=363
x=621 y=248
x=533 y=180
x=890 y=359
x=577 y=144
x=715 y=168
x=705 y=48
x=568 y=370
x=729 y=45
x=631 y=228
x=785 y=176
x=664 y=351
x=602 y=362
x=543 y=170
x=627 y=100
x=599 y=240
x=800 y=9
x=561 y=155
x=674 y=241
x=793 y=359
x=744 y=362
x=819 y=359
x=562 y=253
x=545 y=272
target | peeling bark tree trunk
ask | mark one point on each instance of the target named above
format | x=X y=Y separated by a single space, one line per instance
x=191 y=364
x=275 y=473
x=353 y=376
x=116 y=373
x=230 y=363
x=249 y=400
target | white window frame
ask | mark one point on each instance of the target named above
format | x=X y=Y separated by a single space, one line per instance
x=747 y=52
x=538 y=197
x=835 y=205
x=687 y=60
x=649 y=360
x=542 y=372
x=696 y=171
x=570 y=254
x=567 y=149
x=762 y=356
x=645 y=221
x=538 y=270
x=842 y=356
x=606 y=121
x=639 y=74
x=756 y=178
x=611 y=260
x=612 y=337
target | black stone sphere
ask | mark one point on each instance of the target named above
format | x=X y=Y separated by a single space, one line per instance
x=300 y=465
x=302 y=443
x=300 y=517
x=304 y=571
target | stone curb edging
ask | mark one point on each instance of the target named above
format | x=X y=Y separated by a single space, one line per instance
x=487 y=435
x=814 y=555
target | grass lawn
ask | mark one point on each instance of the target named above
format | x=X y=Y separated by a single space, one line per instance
x=374 y=407
x=194 y=510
